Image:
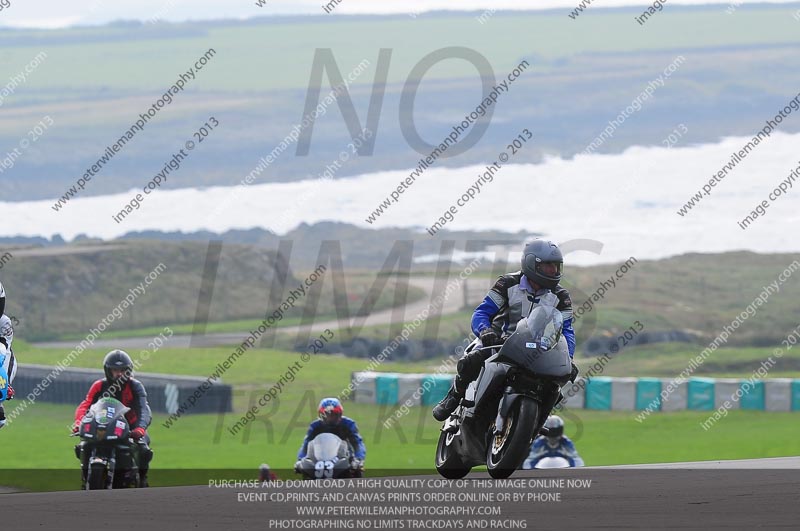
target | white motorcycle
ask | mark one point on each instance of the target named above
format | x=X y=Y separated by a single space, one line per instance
x=328 y=456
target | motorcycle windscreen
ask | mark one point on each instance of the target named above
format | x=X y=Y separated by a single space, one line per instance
x=107 y=409
x=537 y=344
x=552 y=462
x=327 y=447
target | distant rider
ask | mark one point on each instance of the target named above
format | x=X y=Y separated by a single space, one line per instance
x=331 y=421
x=555 y=444
x=5 y=353
x=511 y=299
x=266 y=474
x=10 y=361
x=119 y=383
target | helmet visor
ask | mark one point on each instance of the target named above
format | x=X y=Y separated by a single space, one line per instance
x=331 y=415
x=551 y=270
x=119 y=373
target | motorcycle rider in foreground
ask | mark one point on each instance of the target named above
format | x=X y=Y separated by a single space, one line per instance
x=119 y=383
x=511 y=299
x=331 y=420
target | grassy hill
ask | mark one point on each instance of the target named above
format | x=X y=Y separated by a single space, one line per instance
x=60 y=290
x=688 y=298
x=695 y=293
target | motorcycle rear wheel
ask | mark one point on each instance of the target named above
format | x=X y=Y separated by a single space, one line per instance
x=448 y=462
x=509 y=449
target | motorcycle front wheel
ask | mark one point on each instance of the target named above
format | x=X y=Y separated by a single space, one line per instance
x=448 y=462
x=98 y=477
x=509 y=449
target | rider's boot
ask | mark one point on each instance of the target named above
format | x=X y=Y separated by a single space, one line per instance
x=450 y=402
x=145 y=456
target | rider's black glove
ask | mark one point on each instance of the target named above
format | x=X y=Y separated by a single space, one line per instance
x=574 y=374
x=489 y=337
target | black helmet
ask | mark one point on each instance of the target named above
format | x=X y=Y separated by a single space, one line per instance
x=540 y=252
x=117 y=359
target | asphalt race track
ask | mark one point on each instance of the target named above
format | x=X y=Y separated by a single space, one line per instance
x=713 y=495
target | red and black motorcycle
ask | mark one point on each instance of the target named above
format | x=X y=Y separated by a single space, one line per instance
x=108 y=456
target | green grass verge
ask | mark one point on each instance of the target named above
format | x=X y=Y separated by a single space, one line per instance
x=328 y=373
x=38 y=440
